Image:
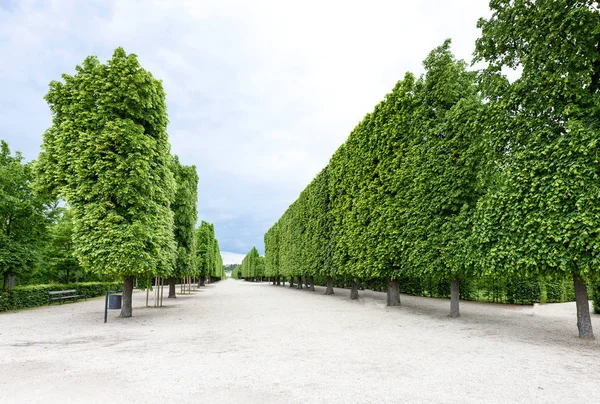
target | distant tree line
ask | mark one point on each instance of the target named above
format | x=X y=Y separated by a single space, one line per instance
x=252 y=267
x=208 y=258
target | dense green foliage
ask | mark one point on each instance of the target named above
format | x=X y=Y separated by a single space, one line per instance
x=236 y=273
x=23 y=297
x=36 y=241
x=24 y=216
x=231 y=269
x=541 y=213
x=468 y=175
x=59 y=255
x=253 y=266
x=272 y=267
x=185 y=216
x=397 y=198
x=218 y=269
x=208 y=255
x=444 y=158
x=60 y=264
x=130 y=207
x=107 y=155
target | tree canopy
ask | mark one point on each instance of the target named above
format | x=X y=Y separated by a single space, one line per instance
x=541 y=214
x=208 y=254
x=107 y=154
x=24 y=216
x=253 y=265
x=185 y=217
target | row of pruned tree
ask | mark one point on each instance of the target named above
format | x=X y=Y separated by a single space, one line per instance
x=252 y=268
x=208 y=255
x=460 y=174
x=131 y=204
x=37 y=235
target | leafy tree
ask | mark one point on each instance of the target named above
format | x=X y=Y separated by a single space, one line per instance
x=451 y=176
x=208 y=255
x=542 y=212
x=185 y=217
x=291 y=227
x=272 y=268
x=252 y=267
x=217 y=270
x=204 y=237
x=397 y=198
x=444 y=165
x=321 y=230
x=235 y=273
x=107 y=155
x=24 y=217
x=389 y=210
x=369 y=183
x=59 y=255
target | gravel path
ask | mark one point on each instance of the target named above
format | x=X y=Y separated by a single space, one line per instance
x=257 y=343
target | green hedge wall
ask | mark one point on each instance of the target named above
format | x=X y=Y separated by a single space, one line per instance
x=23 y=297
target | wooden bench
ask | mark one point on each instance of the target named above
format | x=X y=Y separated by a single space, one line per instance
x=62 y=295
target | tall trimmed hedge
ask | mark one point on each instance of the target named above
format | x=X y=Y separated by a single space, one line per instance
x=396 y=199
x=436 y=185
x=253 y=265
x=208 y=254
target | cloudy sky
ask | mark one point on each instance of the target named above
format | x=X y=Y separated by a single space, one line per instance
x=259 y=93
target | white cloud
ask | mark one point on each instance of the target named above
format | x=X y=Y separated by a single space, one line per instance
x=231 y=258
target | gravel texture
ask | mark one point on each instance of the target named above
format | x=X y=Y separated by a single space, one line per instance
x=240 y=342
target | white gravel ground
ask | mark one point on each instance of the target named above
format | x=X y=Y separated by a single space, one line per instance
x=237 y=342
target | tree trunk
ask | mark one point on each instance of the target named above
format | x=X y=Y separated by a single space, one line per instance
x=202 y=280
x=10 y=280
x=354 y=291
x=278 y=281
x=393 y=293
x=126 y=302
x=312 y=283
x=68 y=275
x=329 y=290
x=306 y=283
x=299 y=282
x=454 y=297
x=584 y=323
x=172 y=293
x=162 y=289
